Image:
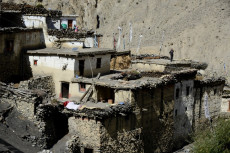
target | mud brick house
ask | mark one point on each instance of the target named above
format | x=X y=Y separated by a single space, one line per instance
x=168 y=106
x=13 y=43
x=65 y=64
x=103 y=128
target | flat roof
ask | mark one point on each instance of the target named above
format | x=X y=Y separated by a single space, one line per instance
x=69 y=52
x=69 y=15
x=162 y=62
x=17 y=29
x=151 y=82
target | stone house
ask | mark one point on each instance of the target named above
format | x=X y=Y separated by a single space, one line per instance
x=104 y=129
x=65 y=64
x=13 y=43
x=168 y=107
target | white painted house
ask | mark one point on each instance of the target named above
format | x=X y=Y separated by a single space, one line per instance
x=65 y=64
x=68 y=21
x=45 y=22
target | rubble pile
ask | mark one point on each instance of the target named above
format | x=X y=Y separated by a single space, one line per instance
x=153 y=74
x=8 y=91
x=69 y=33
x=100 y=113
x=131 y=75
x=199 y=65
x=17 y=29
x=42 y=83
x=149 y=56
x=28 y=9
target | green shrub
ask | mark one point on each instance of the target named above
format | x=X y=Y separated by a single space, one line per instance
x=39 y=6
x=216 y=141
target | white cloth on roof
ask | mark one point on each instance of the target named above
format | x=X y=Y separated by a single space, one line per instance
x=71 y=105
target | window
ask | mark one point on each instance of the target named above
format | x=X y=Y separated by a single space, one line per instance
x=9 y=46
x=35 y=62
x=176 y=112
x=98 y=63
x=177 y=93
x=82 y=87
x=229 y=106
x=215 y=91
x=187 y=90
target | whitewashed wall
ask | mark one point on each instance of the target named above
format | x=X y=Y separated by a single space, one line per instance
x=52 y=65
x=38 y=22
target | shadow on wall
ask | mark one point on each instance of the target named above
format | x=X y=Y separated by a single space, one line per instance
x=12 y=20
x=14 y=64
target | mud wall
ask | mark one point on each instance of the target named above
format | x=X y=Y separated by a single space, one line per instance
x=214 y=103
x=154 y=113
x=183 y=110
x=109 y=135
x=13 y=65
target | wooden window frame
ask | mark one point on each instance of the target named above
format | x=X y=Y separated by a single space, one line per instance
x=82 y=87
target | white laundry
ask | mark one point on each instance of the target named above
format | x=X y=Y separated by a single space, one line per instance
x=71 y=105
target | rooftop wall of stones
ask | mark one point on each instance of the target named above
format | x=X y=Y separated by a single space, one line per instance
x=13 y=65
x=154 y=112
x=43 y=83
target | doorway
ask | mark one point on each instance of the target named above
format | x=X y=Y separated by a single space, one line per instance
x=70 y=24
x=87 y=150
x=81 y=67
x=65 y=89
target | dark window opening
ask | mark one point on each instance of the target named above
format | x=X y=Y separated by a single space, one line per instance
x=105 y=94
x=176 y=112
x=70 y=24
x=98 y=63
x=215 y=90
x=82 y=87
x=177 y=93
x=9 y=46
x=81 y=67
x=86 y=150
x=229 y=106
x=96 y=4
x=187 y=90
x=65 y=89
x=98 y=21
x=186 y=108
x=35 y=62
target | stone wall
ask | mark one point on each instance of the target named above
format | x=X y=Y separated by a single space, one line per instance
x=214 y=102
x=87 y=130
x=109 y=135
x=44 y=83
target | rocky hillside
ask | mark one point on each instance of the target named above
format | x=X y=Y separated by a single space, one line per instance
x=197 y=29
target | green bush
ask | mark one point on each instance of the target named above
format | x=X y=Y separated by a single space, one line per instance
x=39 y=6
x=216 y=141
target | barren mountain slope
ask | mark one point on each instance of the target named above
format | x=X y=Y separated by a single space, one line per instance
x=196 y=29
